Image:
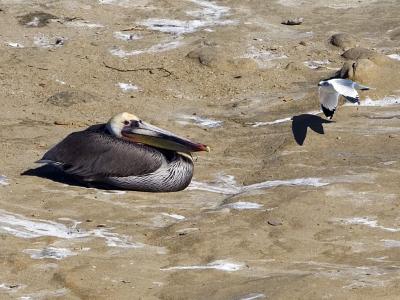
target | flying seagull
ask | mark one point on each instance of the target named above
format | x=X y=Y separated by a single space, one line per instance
x=127 y=153
x=330 y=90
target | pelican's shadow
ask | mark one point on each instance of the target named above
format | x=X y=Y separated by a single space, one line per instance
x=55 y=174
x=300 y=124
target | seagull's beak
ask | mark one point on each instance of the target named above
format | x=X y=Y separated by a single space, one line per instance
x=144 y=133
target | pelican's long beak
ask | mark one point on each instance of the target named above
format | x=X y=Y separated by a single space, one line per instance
x=141 y=132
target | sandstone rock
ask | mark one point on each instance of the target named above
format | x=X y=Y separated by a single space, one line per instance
x=382 y=74
x=295 y=66
x=344 y=41
x=243 y=64
x=395 y=34
x=69 y=98
x=359 y=53
x=36 y=19
x=205 y=55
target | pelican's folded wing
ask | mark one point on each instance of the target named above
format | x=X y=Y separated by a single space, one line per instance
x=92 y=154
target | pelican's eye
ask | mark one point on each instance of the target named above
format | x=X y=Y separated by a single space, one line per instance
x=126 y=122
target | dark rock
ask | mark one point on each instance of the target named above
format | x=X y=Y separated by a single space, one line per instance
x=344 y=41
x=36 y=19
x=294 y=21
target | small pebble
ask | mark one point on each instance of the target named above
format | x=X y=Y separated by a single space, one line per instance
x=63 y=123
x=273 y=222
x=101 y=226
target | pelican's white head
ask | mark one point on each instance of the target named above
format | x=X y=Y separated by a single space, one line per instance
x=118 y=122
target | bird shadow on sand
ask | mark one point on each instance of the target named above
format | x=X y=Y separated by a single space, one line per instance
x=301 y=123
x=56 y=175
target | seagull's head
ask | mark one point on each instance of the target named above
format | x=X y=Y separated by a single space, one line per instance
x=323 y=83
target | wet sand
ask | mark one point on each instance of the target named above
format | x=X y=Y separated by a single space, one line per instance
x=285 y=206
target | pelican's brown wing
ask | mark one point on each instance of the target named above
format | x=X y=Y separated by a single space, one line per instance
x=93 y=154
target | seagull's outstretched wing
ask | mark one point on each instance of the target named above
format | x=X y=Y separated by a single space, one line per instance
x=328 y=98
x=346 y=88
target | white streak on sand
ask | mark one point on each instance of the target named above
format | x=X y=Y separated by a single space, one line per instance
x=386 y=101
x=3 y=180
x=227 y=185
x=199 y=121
x=258 y=124
x=80 y=23
x=210 y=14
x=127 y=87
x=367 y=221
x=315 y=64
x=221 y=265
x=46 y=294
x=11 y=287
x=60 y=81
x=391 y=243
x=241 y=205
x=49 y=252
x=14 y=45
x=23 y=227
x=126 y=36
x=174 y=216
x=394 y=56
x=253 y=296
x=161 y=47
x=34 y=23
x=262 y=57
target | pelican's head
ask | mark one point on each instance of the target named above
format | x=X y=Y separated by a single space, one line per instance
x=130 y=127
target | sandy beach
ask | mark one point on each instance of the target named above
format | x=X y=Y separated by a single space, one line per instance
x=287 y=205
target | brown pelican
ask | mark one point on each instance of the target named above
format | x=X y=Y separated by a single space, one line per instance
x=127 y=153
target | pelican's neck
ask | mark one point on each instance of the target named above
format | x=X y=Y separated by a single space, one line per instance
x=113 y=130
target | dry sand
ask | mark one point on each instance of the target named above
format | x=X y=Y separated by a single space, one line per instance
x=265 y=217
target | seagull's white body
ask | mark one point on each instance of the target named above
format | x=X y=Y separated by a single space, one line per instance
x=330 y=90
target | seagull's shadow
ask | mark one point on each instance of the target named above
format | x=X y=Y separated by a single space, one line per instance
x=54 y=174
x=300 y=124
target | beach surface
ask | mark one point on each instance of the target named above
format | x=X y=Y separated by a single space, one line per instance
x=287 y=205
